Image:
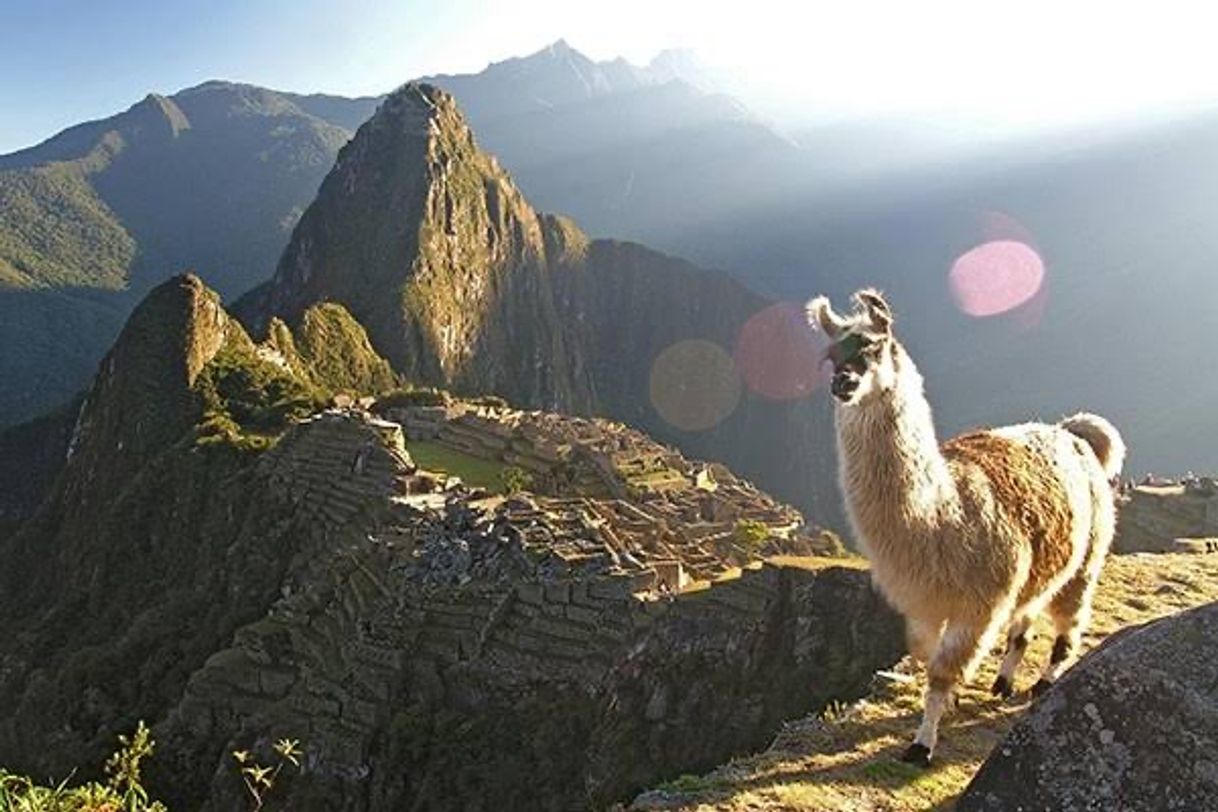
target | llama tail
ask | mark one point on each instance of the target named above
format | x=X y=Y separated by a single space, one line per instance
x=1103 y=438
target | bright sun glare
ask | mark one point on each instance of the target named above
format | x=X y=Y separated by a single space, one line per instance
x=1022 y=64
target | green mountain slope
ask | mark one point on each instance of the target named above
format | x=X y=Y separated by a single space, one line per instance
x=212 y=178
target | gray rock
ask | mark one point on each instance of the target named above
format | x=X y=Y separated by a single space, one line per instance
x=1134 y=726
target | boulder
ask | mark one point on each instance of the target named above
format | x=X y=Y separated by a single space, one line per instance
x=1133 y=726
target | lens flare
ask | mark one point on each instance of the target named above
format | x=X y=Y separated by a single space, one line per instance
x=996 y=277
x=779 y=355
x=694 y=385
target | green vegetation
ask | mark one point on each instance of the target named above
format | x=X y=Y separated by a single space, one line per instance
x=255 y=394
x=514 y=479
x=337 y=354
x=248 y=401
x=473 y=471
x=56 y=232
x=122 y=790
x=751 y=533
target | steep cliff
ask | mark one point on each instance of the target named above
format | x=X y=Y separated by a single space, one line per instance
x=461 y=283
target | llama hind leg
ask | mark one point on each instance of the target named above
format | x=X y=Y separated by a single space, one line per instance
x=1017 y=644
x=959 y=650
x=1071 y=612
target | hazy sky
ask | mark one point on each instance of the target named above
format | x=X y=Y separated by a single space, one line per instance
x=63 y=61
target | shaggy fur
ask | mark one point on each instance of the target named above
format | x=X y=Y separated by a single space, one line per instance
x=993 y=526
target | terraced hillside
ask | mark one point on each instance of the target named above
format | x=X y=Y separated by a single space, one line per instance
x=223 y=557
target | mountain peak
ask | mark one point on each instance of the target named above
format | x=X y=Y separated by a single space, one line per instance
x=415 y=231
x=154 y=109
x=141 y=400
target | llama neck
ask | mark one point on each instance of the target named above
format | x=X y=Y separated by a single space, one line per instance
x=894 y=477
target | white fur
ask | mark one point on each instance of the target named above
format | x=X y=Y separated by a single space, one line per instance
x=944 y=548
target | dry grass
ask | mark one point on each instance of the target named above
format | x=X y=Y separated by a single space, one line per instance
x=847 y=758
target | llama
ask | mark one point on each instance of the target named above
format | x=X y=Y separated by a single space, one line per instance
x=991 y=526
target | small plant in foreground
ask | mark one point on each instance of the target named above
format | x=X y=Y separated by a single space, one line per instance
x=122 y=792
x=259 y=779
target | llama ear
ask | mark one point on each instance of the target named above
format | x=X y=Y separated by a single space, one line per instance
x=872 y=302
x=820 y=314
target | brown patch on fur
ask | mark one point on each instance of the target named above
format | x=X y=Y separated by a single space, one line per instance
x=1025 y=487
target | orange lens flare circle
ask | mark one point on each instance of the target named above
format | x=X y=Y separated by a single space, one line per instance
x=694 y=385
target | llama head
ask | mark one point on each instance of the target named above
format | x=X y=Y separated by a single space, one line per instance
x=862 y=347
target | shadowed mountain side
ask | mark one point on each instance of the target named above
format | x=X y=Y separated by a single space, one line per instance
x=158 y=486
x=462 y=284
x=31 y=456
x=218 y=558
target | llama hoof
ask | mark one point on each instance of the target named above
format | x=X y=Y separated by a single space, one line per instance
x=1002 y=687
x=917 y=755
x=1041 y=686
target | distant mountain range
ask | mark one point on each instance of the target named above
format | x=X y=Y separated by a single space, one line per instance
x=214 y=178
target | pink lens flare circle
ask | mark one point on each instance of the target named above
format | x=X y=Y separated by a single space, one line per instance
x=996 y=277
x=779 y=355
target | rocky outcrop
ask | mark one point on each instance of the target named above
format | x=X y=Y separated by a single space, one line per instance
x=1133 y=726
x=462 y=284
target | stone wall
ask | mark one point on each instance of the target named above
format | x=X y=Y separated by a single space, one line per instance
x=1173 y=518
x=559 y=694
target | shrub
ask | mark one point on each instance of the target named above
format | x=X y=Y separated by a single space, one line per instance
x=515 y=479
x=751 y=533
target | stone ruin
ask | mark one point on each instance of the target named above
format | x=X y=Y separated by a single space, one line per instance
x=444 y=648
x=1169 y=517
x=608 y=496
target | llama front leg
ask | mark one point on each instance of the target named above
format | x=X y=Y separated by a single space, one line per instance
x=922 y=638
x=959 y=650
